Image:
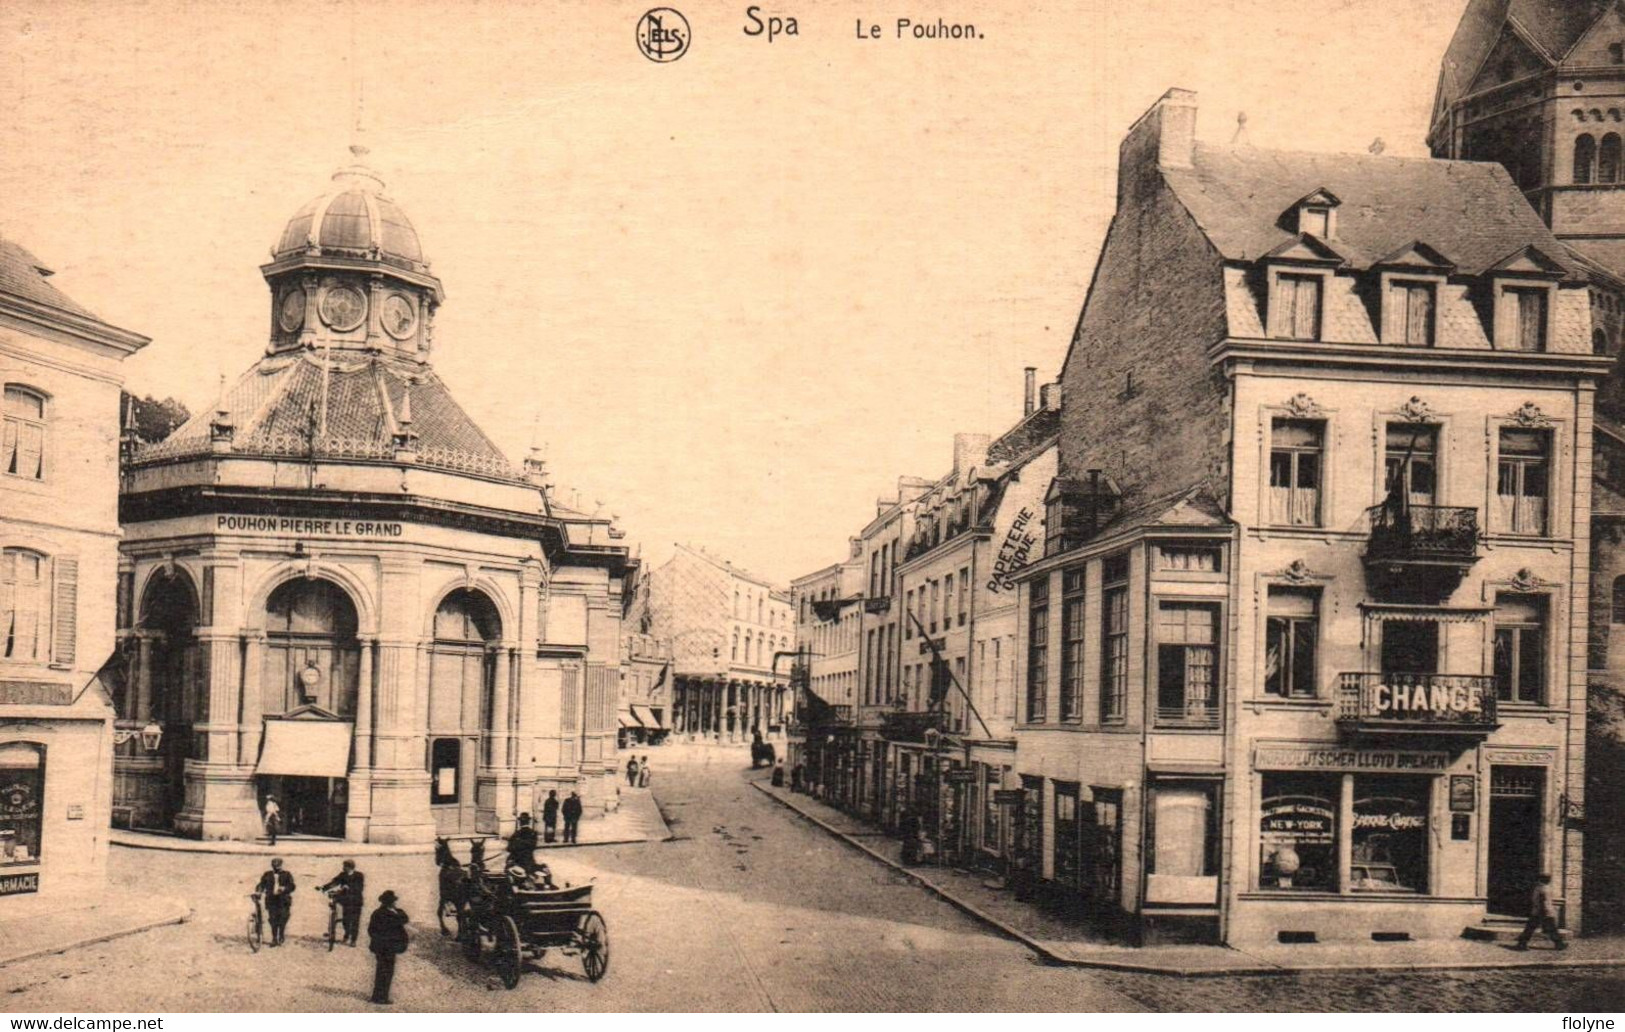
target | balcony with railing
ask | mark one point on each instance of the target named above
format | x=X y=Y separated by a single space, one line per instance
x=1193 y=716
x=1417 y=703
x=1420 y=549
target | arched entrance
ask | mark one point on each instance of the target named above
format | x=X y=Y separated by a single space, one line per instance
x=311 y=671
x=462 y=680
x=166 y=691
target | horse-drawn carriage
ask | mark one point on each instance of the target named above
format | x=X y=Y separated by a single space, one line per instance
x=492 y=914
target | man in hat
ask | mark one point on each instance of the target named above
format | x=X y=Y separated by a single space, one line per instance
x=572 y=816
x=276 y=889
x=386 y=935
x=522 y=845
x=349 y=891
x=1542 y=915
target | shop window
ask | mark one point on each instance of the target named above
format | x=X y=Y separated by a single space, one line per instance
x=445 y=767
x=1187 y=664
x=1102 y=845
x=1410 y=313
x=1298 y=832
x=1190 y=558
x=22 y=794
x=1295 y=471
x=1184 y=843
x=1411 y=463
x=1037 y=649
x=1072 y=615
x=1067 y=869
x=1390 y=837
x=990 y=808
x=1520 y=648
x=1029 y=830
x=1292 y=640
x=24 y=606
x=1522 y=482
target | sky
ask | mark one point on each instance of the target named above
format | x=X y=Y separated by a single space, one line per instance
x=735 y=295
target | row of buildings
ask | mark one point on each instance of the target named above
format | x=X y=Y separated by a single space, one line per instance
x=1277 y=618
x=330 y=587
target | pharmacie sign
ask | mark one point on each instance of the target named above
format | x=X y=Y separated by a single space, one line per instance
x=306 y=526
x=17 y=884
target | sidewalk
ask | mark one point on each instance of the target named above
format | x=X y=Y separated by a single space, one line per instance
x=113 y=917
x=1060 y=941
x=637 y=819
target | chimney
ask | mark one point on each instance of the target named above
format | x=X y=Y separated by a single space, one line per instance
x=1049 y=396
x=1162 y=138
x=1028 y=394
x=969 y=450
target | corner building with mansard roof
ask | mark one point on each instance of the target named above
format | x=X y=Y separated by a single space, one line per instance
x=335 y=590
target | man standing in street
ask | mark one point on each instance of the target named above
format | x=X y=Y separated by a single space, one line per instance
x=550 y=816
x=1542 y=915
x=273 y=818
x=386 y=937
x=350 y=896
x=631 y=772
x=522 y=845
x=276 y=888
x=572 y=816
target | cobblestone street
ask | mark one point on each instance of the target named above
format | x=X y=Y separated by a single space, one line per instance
x=749 y=908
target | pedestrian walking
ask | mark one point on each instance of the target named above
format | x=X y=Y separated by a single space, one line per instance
x=572 y=816
x=522 y=845
x=350 y=892
x=386 y=937
x=276 y=889
x=550 y=816
x=631 y=772
x=273 y=818
x=643 y=773
x=1542 y=915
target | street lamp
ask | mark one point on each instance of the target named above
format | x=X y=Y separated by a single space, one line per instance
x=150 y=734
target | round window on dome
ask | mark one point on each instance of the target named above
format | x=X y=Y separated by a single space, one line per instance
x=398 y=316
x=291 y=313
x=343 y=308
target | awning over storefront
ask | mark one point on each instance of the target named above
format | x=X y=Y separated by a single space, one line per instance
x=647 y=716
x=306 y=748
x=627 y=720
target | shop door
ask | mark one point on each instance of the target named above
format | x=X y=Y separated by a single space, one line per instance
x=310 y=806
x=1105 y=849
x=1515 y=837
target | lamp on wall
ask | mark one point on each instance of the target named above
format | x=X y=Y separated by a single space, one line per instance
x=150 y=734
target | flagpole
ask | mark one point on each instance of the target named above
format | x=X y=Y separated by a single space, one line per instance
x=936 y=655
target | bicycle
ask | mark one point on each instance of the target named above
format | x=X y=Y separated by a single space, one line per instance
x=332 y=918
x=256 y=924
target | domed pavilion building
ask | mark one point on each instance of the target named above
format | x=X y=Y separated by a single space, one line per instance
x=335 y=590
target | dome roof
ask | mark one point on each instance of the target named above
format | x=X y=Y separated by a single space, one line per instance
x=353 y=218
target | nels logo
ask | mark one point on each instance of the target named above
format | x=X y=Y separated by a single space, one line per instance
x=663 y=34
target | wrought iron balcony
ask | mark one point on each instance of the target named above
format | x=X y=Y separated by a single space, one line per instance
x=1421 y=549
x=1454 y=704
x=1191 y=716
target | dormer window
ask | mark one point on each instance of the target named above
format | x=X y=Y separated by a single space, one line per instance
x=1297 y=306
x=1317 y=215
x=1411 y=279
x=1524 y=284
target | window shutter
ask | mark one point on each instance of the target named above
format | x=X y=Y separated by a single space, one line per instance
x=65 y=611
x=1421 y=316
x=1393 y=314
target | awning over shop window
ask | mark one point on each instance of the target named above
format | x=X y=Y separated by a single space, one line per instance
x=647 y=716
x=627 y=720
x=306 y=748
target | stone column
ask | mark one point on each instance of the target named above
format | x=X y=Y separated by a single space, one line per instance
x=252 y=726
x=359 y=811
x=400 y=778
x=143 y=676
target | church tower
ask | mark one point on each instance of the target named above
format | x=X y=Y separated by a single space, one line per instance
x=1539 y=86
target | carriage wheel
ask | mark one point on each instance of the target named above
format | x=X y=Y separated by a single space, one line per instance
x=594 y=936
x=468 y=933
x=510 y=953
x=448 y=917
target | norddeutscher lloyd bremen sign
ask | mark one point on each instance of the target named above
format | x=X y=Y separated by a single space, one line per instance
x=1267 y=757
x=299 y=526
